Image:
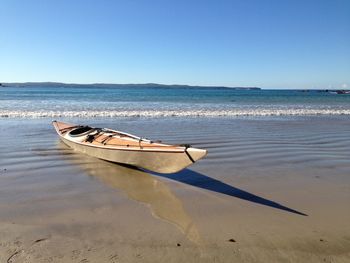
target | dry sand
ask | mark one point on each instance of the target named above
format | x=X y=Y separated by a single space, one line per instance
x=270 y=190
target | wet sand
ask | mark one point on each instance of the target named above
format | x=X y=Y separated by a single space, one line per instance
x=270 y=190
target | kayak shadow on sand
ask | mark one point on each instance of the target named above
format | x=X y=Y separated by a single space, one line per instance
x=199 y=180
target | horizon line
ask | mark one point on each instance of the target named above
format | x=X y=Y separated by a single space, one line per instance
x=162 y=84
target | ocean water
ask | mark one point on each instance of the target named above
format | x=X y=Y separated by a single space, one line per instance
x=140 y=101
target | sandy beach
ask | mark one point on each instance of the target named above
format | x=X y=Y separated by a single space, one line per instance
x=270 y=190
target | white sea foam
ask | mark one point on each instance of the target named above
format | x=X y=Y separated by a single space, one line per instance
x=174 y=113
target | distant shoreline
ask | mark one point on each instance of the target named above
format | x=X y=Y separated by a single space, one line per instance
x=155 y=85
x=110 y=85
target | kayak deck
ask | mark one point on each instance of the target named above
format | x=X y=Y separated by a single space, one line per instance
x=114 y=139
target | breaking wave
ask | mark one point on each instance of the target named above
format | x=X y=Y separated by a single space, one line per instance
x=172 y=113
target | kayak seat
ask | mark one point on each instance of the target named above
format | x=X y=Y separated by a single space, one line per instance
x=81 y=131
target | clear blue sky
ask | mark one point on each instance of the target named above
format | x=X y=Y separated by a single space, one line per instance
x=265 y=43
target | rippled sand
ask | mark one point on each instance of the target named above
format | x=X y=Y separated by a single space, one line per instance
x=270 y=190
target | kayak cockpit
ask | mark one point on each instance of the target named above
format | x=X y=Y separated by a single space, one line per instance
x=81 y=131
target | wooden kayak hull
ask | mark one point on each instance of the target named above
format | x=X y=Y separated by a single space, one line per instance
x=157 y=159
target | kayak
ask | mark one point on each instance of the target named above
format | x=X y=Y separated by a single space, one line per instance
x=125 y=148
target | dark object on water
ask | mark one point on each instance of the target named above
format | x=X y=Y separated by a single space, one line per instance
x=342 y=91
x=231 y=240
x=178 y=244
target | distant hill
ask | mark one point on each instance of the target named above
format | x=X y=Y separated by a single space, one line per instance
x=108 y=85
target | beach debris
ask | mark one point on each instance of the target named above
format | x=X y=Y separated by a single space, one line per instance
x=178 y=244
x=12 y=255
x=39 y=240
x=114 y=258
x=231 y=240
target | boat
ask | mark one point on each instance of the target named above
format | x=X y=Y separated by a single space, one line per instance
x=124 y=148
